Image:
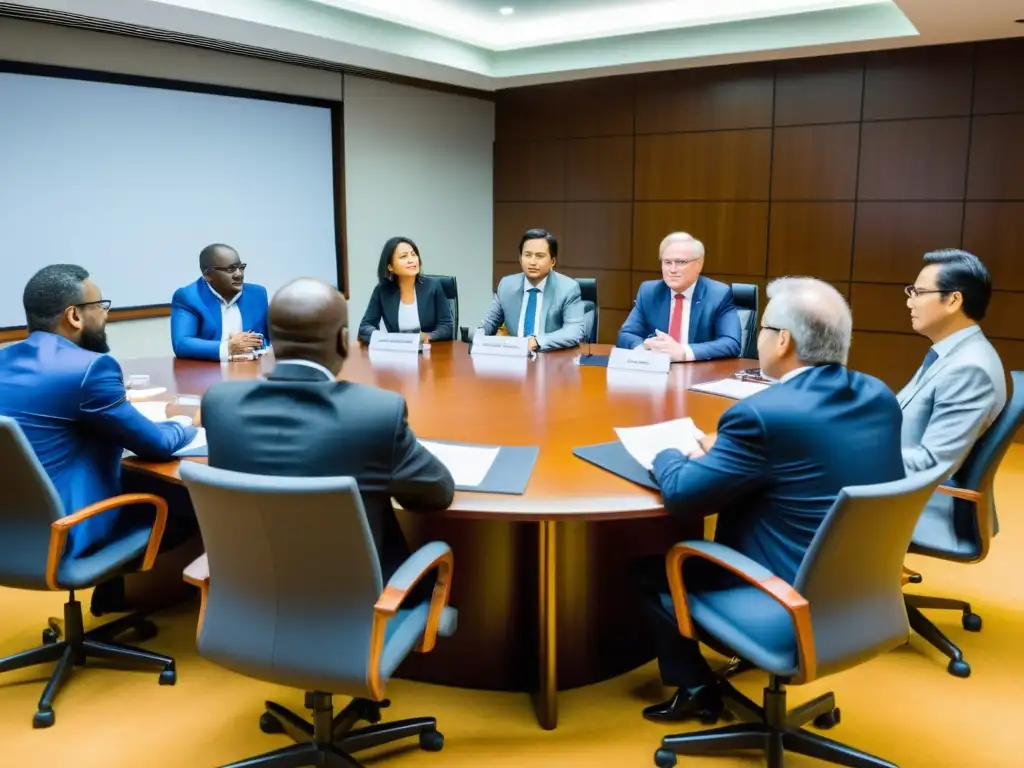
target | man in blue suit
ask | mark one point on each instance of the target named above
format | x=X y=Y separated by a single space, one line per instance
x=218 y=317
x=773 y=470
x=685 y=315
x=68 y=397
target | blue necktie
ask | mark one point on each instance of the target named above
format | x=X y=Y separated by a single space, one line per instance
x=930 y=358
x=531 y=312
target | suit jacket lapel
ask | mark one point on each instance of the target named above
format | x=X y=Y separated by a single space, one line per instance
x=917 y=383
x=696 y=311
x=390 y=296
x=515 y=307
x=212 y=305
x=550 y=303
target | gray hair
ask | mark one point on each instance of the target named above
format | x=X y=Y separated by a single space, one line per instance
x=816 y=316
x=681 y=237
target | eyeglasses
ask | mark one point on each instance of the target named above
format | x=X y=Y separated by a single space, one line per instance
x=678 y=263
x=913 y=291
x=772 y=328
x=231 y=269
x=103 y=304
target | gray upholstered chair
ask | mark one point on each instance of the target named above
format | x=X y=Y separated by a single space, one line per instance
x=450 y=286
x=845 y=607
x=591 y=310
x=33 y=533
x=292 y=594
x=973 y=506
x=745 y=297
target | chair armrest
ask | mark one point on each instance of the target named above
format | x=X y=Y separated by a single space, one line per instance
x=435 y=554
x=755 y=574
x=960 y=493
x=198 y=575
x=60 y=528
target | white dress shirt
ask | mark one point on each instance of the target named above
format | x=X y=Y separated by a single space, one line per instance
x=794 y=373
x=408 y=317
x=309 y=364
x=230 y=321
x=537 y=327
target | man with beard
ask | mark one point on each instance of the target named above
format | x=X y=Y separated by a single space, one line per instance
x=67 y=395
x=219 y=317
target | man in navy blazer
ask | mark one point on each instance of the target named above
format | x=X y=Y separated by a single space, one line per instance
x=773 y=470
x=68 y=397
x=685 y=315
x=218 y=317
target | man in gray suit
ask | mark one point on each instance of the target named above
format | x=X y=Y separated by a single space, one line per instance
x=960 y=388
x=538 y=304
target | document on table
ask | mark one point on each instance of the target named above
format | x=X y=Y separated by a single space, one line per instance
x=141 y=394
x=152 y=410
x=736 y=389
x=644 y=443
x=469 y=464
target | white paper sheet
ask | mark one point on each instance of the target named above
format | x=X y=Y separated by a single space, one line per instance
x=199 y=441
x=152 y=410
x=142 y=394
x=737 y=389
x=644 y=443
x=469 y=464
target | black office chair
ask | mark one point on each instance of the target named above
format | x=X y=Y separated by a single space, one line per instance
x=451 y=292
x=591 y=311
x=744 y=296
x=973 y=507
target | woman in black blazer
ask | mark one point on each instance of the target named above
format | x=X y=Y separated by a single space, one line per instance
x=405 y=300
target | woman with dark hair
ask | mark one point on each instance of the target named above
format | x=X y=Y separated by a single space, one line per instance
x=405 y=301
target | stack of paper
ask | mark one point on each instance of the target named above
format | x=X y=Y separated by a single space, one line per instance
x=154 y=411
x=469 y=464
x=142 y=394
x=644 y=443
x=736 y=389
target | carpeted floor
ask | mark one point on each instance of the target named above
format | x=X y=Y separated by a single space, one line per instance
x=903 y=706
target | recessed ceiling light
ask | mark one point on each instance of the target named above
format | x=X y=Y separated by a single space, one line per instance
x=507 y=10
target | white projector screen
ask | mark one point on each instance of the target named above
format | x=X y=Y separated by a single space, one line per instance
x=132 y=182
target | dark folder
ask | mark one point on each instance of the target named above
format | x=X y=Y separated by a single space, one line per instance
x=510 y=473
x=613 y=457
x=594 y=361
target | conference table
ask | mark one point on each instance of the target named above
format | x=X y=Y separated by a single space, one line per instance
x=541 y=578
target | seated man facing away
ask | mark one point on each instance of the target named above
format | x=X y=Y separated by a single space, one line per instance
x=688 y=316
x=539 y=304
x=67 y=395
x=219 y=317
x=773 y=470
x=961 y=387
x=301 y=422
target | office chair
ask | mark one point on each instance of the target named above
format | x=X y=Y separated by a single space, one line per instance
x=844 y=607
x=293 y=595
x=591 y=317
x=451 y=292
x=33 y=534
x=745 y=297
x=971 y=502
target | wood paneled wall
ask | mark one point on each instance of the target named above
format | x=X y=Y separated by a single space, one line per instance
x=847 y=168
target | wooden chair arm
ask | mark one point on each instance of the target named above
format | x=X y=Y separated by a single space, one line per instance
x=960 y=493
x=60 y=528
x=198 y=575
x=796 y=605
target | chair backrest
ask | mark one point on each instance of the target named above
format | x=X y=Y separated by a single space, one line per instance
x=978 y=523
x=591 y=310
x=294 y=576
x=850 y=574
x=450 y=287
x=745 y=297
x=28 y=505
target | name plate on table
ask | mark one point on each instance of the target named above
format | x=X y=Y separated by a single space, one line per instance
x=506 y=346
x=394 y=342
x=639 y=360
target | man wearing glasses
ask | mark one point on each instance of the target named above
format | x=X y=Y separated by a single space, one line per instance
x=218 y=317
x=960 y=388
x=685 y=315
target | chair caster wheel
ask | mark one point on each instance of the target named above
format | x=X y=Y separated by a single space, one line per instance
x=431 y=741
x=270 y=724
x=828 y=719
x=665 y=758
x=971 y=622
x=169 y=676
x=959 y=668
x=50 y=637
x=44 y=718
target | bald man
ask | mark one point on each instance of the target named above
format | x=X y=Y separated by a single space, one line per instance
x=773 y=470
x=302 y=422
x=219 y=317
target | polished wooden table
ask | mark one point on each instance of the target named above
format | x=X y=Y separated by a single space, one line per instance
x=541 y=587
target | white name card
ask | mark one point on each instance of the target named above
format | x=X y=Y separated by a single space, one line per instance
x=639 y=359
x=506 y=346
x=394 y=342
